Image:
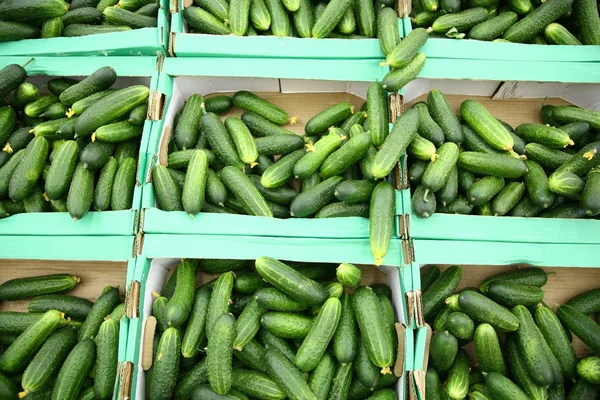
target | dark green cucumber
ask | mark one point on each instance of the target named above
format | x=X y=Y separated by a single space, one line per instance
x=321 y=378
x=499 y=165
x=248 y=323
x=262 y=127
x=240 y=185
x=123 y=186
x=589 y=369
x=273 y=299
x=98 y=81
x=510 y=294
x=482 y=309
x=107 y=346
x=503 y=388
x=566 y=184
x=72 y=306
x=286 y=325
x=457 y=384
x=83 y=15
x=341 y=210
x=14 y=323
x=279 y=173
x=440 y=289
x=345 y=340
x=428 y=128
x=121 y=17
x=377 y=109
x=84 y=29
x=583 y=161
x=387 y=30
x=520 y=373
x=507 y=198
x=354 y=191
x=278 y=144
x=494 y=27
x=555 y=33
x=195 y=329
x=525 y=276
x=488 y=350
x=55 y=111
x=250 y=102
x=536 y=181
x=583 y=390
x=179 y=306
x=544 y=135
x=583 y=327
x=317 y=154
x=460 y=325
x=334 y=12
x=117 y=132
x=332 y=116
x=428 y=276
x=74 y=370
x=204 y=22
x=165 y=365
x=186 y=131
x=104 y=186
x=12 y=75
x=280 y=21
x=18 y=140
x=423 y=202
x=29 y=169
x=381 y=216
x=24 y=94
x=438 y=171
x=396 y=79
x=218 y=104
x=105 y=304
x=462 y=21
x=219 y=352
x=442 y=351
x=287 y=376
x=556 y=337
x=587 y=302
x=22 y=288
x=309 y=202
x=535 y=22
x=406 y=50
x=13 y=31
x=444 y=116
x=351 y=152
x=256 y=384
x=167 y=192
x=366 y=372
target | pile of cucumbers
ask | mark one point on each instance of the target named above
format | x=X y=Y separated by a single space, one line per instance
x=64 y=347
x=554 y=22
x=269 y=330
x=523 y=348
x=252 y=165
x=32 y=19
x=72 y=149
x=475 y=163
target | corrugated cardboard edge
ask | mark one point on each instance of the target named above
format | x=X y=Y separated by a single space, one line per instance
x=408 y=251
x=427 y=344
x=410 y=307
x=404 y=221
x=157 y=105
x=399 y=366
x=420 y=321
x=412 y=395
x=132 y=301
x=147 y=342
x=419 y=378
x=126 y=379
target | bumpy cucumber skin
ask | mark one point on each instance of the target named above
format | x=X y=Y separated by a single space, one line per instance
x=381 y=215
x=554 y=334
x=398 y=78
x=240 y=185
x=511 y=294
x=507 y=198
x=107 y=346
x=428 y=128
x=104 y=187
x=194 y=187
x=61 y=170
x=219 y=353
x=309 y=202
x=586 y=14
x=123 y=185
x=518 y=369
x=437 y=172
x=480 y=308
x=534 y=23
x=165 y=366
x=557 y=34
x=168 y=193
x=387 y=30
x=462 y=21
x=341 y=382
x=29 y=169
x=81 y=192
x=488 y=127
x=321 y=378
x=488 y=350
x=204 y=21
x=440 y=289
x=443 y=350
x=377 y=109
x=239 y=11
x=583 y=327
x=443 y=115
x=105 y=304
x=74 y=370
x=503 y=388
x=330 y=17
x=406 y=50
x=499 y=165
x=493 y=28
x=287 y=376
x=186 y=131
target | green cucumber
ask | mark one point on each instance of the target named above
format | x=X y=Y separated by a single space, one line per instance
x=589 y=369
x=167 y=192
x=425 y=18
x=519 y=371
x=428 y=128
x=521 y=7
x=488 y=350
x=555 y=33
x=262 y=127
x=317 y=154
x=366 y=372
x=321 y=378
x=36 y=201
x=582 y=162
x=288 y=280
x=566 y=184
x=219 y=300
x=248 y=283
x=8 y=389
x=442 y=351
x=440 y=289
x=204 y=22
x=104 y=186
x=48 y=359
x=366 y=164
x=354 y=191
x=119 y=16
x=55 y=111
x=195 y=329
x=486 y=125
x=309 y=202
x=341 y=210
x=428 y=276
x=75 y=370
x=334 y=12
x=586 y=302
x=545 y=135
x=583 y=327
x=123 y=186
x=443 y=115
x=281 y=345
x=117 y=132
x=96 y=154
x=61 y=170
x=219 y=352
x=437 y=172
x=583 y=390
x=109 y=108
x=387 y=30
x=585 y=14
x=216 y=192
x=18 y=140
x=564 y=211
x=82 y=15
x=457 y=384
x=526 y=208
x=332 y=116
x=256 y=384
x=286 y=325
x=14 y=323
x=17 y=355
x=500 y=165
x=273 y=299
x=447 y=194
x=345 y=340
x=370 y=321
x=250 y=102
x=107 y=346
x=192 y=380
x=165 y=366
x=377 y=109
x=23 y=288
x=510 y=294
x=84 y=30
x=98 y=81
x=105 y=304
x=507 y=198
x=381 y=220
x=179 y=306
x=29 y=169
x=422 y=149
x=465 y=180
x=18 y=11
x=283 y=372
x=503 y=388
x=462 y=21
x=406 y=50
x=494 y=27
x=280 y=21
x=219 y=104
x=536 y=181
x=279 y=173
x=193 y=194
x=133 y=5
x=396 y=79
x=556 y=337
x=259 y=15
x=460 y=325
x=252 y=355
x=12 y=75
x=341 y=382
x=281 y=195
x=278 y=144
x=350 y=153
x=240 y=185
x=400 y=137
x=242 y=139
x=535 y=22
x=149 y=10
x=365 y=18
x=482 y=309
x=72 y=306
x=433 y=386
x=556 y=392
x=220 y=140
x=13 y=31
x=24 y=94
x=248 y=323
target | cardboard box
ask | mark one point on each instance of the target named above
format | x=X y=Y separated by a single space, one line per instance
x=137 y=42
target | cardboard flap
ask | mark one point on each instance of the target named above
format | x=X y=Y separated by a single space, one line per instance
x=427 y=344
x=132 y=301
x=412 y=395
x=149 y=171
x=399 y=366
x=420 y=321
x=157 y=104
x=126 y=379
x=408 y=251
x=410 y=307
x=404 y=221
x=419 y=378
x=148 y=342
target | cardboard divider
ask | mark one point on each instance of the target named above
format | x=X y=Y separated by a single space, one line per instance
x=302 y=98
x=153 y=273
x=185 y=44
x=136 y=42
x=94 y=277
x=515 y=103
x=130 y=71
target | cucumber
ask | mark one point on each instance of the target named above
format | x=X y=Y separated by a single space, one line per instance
x=242 y=139
x=503 y=388
x=219 y=300
x=443 y=350
x=13 y=31
x=104 y=186
x=272 y=341
x=262 y=127
x=23 y=288
x=167 y=192
x=545 y=135
x=248 y=323
x=109 y=108
x=250 y=102
x=82 y=15
x=72 y=306
x=25 y=93
x=334 y=12
x=555 y=33
x=309 y=202
x=370 y=321
x=444 y=116
x=422 y=149
x=486 y=125
x=366 y=372
x=12 y=75
x=345 y=340
x=566 y=184
x=377 y=109
x=564 y=211
x=48 y=359
x=123 y=186
x=29 y=169
x=165 y=365
x=482 y=309
x=462 y=21
x=278 y=145
x=14 y=323
x=381 y=220
x=546 y=157
x=589 y=369
x=119 y=16
x=58 y=85
x=195 y=329
x=259 y=15
x=192 y=380
x=406 y=50
x=354 y=191
x=488 y=350
x=219 y=104
x=428 y=128
x=107 y=346
x=248 y=283
x=252 y=355
x=582 y=162
x=149 y=10
x=216 y=192
x=219 y=352
x=586 y=302
x=342 y=210
x=35 y=202
x=283 y=372
x=440 y=289
x=556 y=338
x=494 y=27
x=105 y=304
x=365 y=18
x=81 y=192
x=350 y=153
x=437 y=172
x=460 y=325
x=220 y=140
x=18 y=354
x=55 y=111
x=583 y=390
x=519 y=371
x=332 y=116
x=321 y=378
x=61 y=170
x=18 y=140
x=583 y=327
x=18 y=11
x=396 y=79
x=341 y=382
x=556 y=392
x=387 y=30
x=8 y=389
x=507 y=198
x=286 y=325
x=7 y=171
x=204 y=22
x=179 y=306
x=535 y=22
x=256 y=384
x=273 y=299
x=133 y=5
x=281 y=195
x=84 y=30
x=536 y=182
x=117 y=132
x=532 y=276
x=457 y=384
x=240 y=185
x=499 y=165
x=195 y=183
x=425 y=18
x=288 y=280
x=510 y=294
x=98 y=81
x=585 y=14
x=74 y=370
x=448 y=193
x=521 y=7
x=400 y=137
